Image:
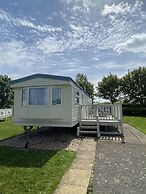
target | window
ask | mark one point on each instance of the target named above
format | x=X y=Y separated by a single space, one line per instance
x=23 y=100
x=56 y=95
x=82 y=98
x=77 y=98
x=38 y=96
x=85 y=100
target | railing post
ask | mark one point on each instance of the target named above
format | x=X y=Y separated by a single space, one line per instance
x=98 y=129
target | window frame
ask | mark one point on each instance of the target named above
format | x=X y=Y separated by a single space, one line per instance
x=52 y=96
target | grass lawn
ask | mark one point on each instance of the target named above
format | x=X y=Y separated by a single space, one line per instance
x=8 y=129
x=137 y=122
x=32 y=171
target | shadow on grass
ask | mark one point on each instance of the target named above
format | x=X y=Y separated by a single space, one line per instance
x=10 y=157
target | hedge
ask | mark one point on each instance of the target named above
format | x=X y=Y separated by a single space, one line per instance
x=134 y=105
x=134 y=111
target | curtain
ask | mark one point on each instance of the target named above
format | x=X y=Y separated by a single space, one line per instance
x=38 y=96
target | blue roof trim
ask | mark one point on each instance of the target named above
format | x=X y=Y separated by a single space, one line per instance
x=46 y=76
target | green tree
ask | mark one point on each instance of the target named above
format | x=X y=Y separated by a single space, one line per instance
x=83 y=82
x=109 y=88
x=134 y=85
x=6 y=93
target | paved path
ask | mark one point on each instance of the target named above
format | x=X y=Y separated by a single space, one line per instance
x=76 y=180
x=121 y=168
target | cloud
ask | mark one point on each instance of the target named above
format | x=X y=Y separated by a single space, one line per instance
x=27 y=45
x=136 y=44
x=95 y=59
x=17 y=57
x=82 y=6
x=121 y=8
x=7 y=17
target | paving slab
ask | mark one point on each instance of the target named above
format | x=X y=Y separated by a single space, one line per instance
x=87 y=155
x=87 y=147
x=70 y=189
x=76 y=179
x=82 y=164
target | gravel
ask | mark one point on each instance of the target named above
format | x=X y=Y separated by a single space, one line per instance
x=120 y=168
x=47 y=138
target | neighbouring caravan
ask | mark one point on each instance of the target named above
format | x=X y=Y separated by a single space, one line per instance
x=47 y=100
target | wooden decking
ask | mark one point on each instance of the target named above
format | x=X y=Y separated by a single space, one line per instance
x=92 y=117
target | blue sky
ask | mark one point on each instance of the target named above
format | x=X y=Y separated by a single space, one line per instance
x=65 y=37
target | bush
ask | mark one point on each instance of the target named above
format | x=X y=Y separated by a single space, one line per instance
x=130 y=111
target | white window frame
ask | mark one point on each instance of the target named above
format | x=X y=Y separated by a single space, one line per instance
x=24 y=104
x=46 y=105
x=52 y=96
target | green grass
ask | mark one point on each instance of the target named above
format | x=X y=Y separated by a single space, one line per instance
x=32 y=171
x=8 y=129
x=137 y=122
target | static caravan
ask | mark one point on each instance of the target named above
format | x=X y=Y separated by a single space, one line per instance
x=47 y=100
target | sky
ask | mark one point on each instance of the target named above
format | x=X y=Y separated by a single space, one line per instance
x=66 y=37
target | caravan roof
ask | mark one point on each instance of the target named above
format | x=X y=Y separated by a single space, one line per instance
x=46 y=76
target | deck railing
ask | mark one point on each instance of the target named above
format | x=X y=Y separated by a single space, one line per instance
x=102 y=111
x=5 y=113
x=88 y=112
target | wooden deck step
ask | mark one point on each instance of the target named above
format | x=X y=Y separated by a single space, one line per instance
x=88 y=127
x=110 y=133
x=88 y=132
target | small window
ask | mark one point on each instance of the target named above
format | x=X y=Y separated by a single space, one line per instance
x=38 y=96
x=23 y=100
x=56 y=95
x=85 y=100
x=77 y=98
x=82 y=98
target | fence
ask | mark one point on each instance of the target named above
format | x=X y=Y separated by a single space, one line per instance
x=5 y=113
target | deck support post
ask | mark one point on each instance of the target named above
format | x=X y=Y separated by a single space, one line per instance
x=123 y=136
x=78 y=131
x=27 y=132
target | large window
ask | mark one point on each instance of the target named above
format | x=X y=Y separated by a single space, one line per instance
x=56 y=95
x=38 y=96
x=23 y=100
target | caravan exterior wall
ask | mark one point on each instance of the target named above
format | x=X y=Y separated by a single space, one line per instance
x=79 y=97
x=63 y=114
x=46 y=115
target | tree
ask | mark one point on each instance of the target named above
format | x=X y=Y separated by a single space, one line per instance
x=6 y=93
x=87 y=86
x=134 y=85
x=109 y=88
